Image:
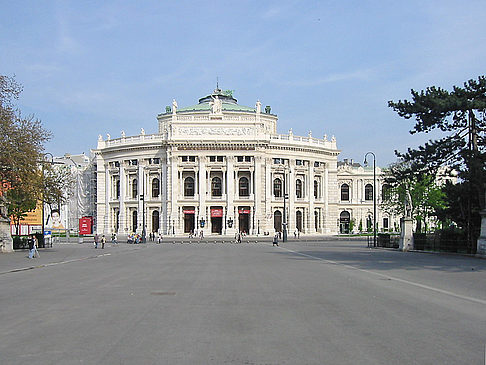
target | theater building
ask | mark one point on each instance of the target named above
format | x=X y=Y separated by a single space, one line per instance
x=220 y=167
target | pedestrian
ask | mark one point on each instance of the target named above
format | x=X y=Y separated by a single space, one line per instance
x=275 y=240
x=201 y=234
x=115 y=239
x=238 y=238
x=159 y=239
x=36 y=245
x=103 y=241
x=30 y=241
x=295 y=233
x=96 y=239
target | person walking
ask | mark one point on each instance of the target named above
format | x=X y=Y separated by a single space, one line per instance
x=115 y=239
x=31 y=246
x=275 y=240
x=103 y=241
x=96 y=239
x=36 y=245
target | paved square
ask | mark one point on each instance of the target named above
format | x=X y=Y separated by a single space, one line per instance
x=307 y=302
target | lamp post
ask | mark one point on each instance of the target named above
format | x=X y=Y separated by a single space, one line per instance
x=374 y=194
x=44 y=187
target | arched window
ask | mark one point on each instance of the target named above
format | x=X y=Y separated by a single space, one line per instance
x=298 y=220
x=316 y=220
x=298 y=188
x=189 y=186
x=155 y=221
x=244 y=187
x=155 y=188
x=216 y=187
x=316 y=189
x=134 y=221
x=345 y=192
x=369 y=192
x=277 y=188
x=134 y=188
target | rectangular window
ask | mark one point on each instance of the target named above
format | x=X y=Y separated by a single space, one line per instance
x=219 y=158
x=184 y=158
x=247 y=158
x=277 y=161
x=212 y=158
x=192 y=158
x=239 y=158
x=385 y=223
x=298 y=162
x=156 y=161
x=316 y=163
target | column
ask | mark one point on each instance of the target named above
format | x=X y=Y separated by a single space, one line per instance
x=230 y=173
x=174 y=188
x=202 y=192
x=140 y=189
x=122 y=219
x=257 y=210
x=107 y=220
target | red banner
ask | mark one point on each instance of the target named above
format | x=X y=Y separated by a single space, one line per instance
x=85 y=226
x=244 y=211
x=189 y=211
x=217 y=213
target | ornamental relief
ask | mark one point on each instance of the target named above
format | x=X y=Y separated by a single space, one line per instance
x=195 y=131
x=341 y=182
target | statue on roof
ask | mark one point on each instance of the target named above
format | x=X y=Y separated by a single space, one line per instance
x=174 y=106
x=216 y=105
x=142 y=132
x=123 y=134
x=258 y=107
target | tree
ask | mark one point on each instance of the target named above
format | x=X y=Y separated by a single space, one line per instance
x=19 y=204
x=460 y=116
x=21 y=142
x=427 y=197
x=58 y=183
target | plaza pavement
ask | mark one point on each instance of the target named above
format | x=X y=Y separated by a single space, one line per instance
x=313 y=301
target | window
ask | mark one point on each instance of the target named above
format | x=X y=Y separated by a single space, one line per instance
x=155 y=221
x=277 y=161
x=385 y=191
x=216 y=187
x=239 y=158
x=117 y=164
x=247 y=158
x=155 y=188
x=244 y=187
x=298 y=162
x=188 y=158
x=133 y=162
x=134 y=188
x=385 y=223
x=369 y=192
x=345 y=192
x=316 y=164
x=316 y=189
x=277 y=188
x=212 y=158
x=117 y=188
x=184 y=158
x=298 y=188
x=156 y=161
x=189 y=186
x=134 y=221
x=192 y=158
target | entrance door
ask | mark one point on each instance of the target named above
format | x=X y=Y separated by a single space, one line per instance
x=298 y=220
x=244 y=222
x=189 y=222
x=277 y=221
x=344 y=219
x=217 y=220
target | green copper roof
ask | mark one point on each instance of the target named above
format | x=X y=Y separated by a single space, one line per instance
x=207 y=107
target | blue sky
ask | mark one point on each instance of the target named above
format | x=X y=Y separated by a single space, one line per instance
x=98 y=67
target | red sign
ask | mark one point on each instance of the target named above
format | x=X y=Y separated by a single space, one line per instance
x=244 y=211
x=189 y=211
x=85 y=225
x=216 y=213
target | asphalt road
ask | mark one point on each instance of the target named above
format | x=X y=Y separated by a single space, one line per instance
x=322 y=302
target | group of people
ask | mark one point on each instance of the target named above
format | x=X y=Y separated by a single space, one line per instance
x=98 y=240
x=194 y=234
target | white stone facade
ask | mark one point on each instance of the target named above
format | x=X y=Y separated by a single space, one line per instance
x=223 y=165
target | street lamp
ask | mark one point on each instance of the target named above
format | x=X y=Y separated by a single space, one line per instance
x=374 y=194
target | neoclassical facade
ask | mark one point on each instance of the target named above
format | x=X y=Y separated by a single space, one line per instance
x=219 y=167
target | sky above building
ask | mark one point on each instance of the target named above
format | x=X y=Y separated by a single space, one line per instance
x=330 y=67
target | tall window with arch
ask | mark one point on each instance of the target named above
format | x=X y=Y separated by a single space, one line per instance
x=134 y=188
x=244 y=186
x=368 y=192
x=155 y=188
x=134 y=221
x=298 y=188
x=117 y=189
x=189 y=186
x=345 y=192
x=316 y=189
x=277 y=188
x=216 y=189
